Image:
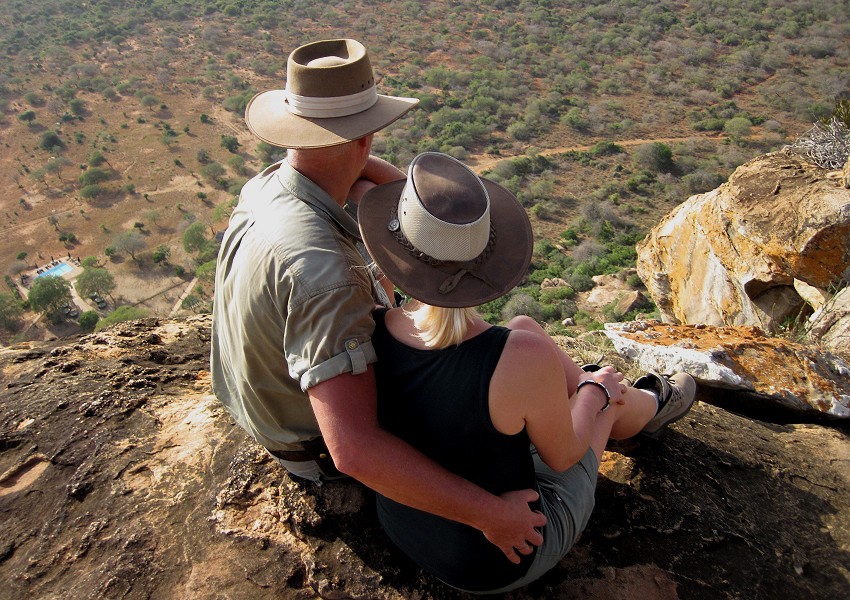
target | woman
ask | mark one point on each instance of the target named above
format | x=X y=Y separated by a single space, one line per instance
x=500 y=406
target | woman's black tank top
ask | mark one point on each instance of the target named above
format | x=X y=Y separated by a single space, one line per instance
x=437 y=400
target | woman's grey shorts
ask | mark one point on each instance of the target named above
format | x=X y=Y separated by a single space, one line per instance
x=567 y=500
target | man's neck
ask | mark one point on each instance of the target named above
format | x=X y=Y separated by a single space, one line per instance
x=333 y=176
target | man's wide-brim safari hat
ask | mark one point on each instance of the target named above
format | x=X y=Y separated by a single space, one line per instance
x=330 y=98
x=446 y=236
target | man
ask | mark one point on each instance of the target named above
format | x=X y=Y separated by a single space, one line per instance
x=291 y=348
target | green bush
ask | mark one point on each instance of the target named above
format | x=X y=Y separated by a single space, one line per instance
x=711 y=124
x=556 y=294
x=239 y=102
x=634 y=281
x=10 y=311
x=269 y=153
x=522 y=304
x=50 y=141
x=161 y=254
x=237 y=163
x=229 y=143
x=541 y=212
x=702 y=181
x=122 y=313
x=94 y=175
x=195 y=237
x=841 y=113
x=604 y=148
x=88 y=320
x=580 y=281
x=91 y=191
x=657 y=157
x=33 y=99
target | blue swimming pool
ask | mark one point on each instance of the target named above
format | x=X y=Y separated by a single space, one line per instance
x=56 y=271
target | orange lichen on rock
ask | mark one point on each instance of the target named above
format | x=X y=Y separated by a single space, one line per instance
x=771 y=365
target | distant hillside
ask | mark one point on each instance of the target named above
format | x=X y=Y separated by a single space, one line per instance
x=125 y=118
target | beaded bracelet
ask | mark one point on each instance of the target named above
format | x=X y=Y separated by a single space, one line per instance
x=604 y=389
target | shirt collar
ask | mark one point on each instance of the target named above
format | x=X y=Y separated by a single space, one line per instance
x=305 y=190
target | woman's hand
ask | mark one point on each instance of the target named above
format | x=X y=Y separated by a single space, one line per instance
x=612 y=379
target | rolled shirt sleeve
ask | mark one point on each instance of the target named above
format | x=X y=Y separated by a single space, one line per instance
x=330 y=334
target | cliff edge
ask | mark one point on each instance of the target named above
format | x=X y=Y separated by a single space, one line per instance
x=121 y=477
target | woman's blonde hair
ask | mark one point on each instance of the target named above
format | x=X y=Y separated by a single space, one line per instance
x=442 y=327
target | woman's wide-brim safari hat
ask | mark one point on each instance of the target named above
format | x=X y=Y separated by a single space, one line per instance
x=445 y=236
x=330 y=98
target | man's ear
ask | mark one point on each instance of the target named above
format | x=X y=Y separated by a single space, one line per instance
x=365 y=144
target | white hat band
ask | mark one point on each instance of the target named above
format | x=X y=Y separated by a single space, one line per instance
x=336 y=106
x=439 y=239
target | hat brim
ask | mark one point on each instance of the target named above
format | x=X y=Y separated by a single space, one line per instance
x=503 y=270
x=269 y=120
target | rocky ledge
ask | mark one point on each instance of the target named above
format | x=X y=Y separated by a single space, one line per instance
x=121 y=477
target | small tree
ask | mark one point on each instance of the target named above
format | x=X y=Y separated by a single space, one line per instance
x=55 y=165
x=219 y=213
x=10 y=312
x=95 y=159
x=149 y=101
x=213 y=172
x=161 y=254
x=50 y=140
x=237 y=163
x=95 y=280
x=153 y=216
x=77 y=107
x=194 y=238
x=68 y=238
x=27 y=117
x=738 y=129
x=206 y=271
x=229 y=143
x=130 y=242
x=48 y=294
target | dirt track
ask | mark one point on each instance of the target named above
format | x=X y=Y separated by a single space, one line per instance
x=488 y=161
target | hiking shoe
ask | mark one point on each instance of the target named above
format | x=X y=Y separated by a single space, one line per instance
x=675 y=398
x=594 y=366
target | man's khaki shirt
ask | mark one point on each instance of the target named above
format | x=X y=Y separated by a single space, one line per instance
x=292 y=308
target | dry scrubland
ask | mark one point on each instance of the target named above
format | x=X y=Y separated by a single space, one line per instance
x=118 y=119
